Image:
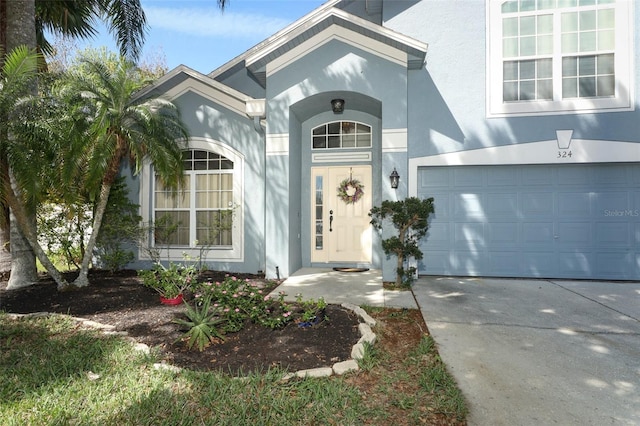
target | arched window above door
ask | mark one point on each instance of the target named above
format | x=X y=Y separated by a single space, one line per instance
x=341 y=135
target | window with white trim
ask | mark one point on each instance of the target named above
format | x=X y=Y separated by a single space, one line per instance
x=200 y=213
x=341 y=134
x=549 y=56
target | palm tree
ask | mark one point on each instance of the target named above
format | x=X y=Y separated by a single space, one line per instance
x=122 y=128
x=22 y=147
x=23 y=22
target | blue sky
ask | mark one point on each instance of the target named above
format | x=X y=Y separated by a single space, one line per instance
x=197 y=34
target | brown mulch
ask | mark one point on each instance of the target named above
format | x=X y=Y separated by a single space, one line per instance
x=120 y=300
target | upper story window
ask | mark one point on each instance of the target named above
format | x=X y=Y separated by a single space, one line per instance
x=201 y=212
x=341 y=134
x=550 y=56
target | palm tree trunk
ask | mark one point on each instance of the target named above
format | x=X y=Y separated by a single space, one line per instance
x=21 y=31
x=103 y=199
x=28 y=231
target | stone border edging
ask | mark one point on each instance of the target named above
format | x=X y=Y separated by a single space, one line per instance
x=339 y=368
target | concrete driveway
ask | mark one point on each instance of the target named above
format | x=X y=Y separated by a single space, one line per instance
x=539 y=352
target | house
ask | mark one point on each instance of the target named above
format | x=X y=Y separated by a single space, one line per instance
x=519 y=117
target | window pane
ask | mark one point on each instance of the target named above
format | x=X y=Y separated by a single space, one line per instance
x=606 y=40
x=569 y=43
x=363 y=141
x=509 y=27
x=527 y=46
x=545 y=24
x=510 y=6
x=319 y=142
x=214 y=228
x=527 y=90
x=588 y=41
x=570 y=66
x=545 y=45
x=334 y=128
x=527 y=5
x=567 y=3
x=363 y=128
x=546 y=4
x=510 y=70
x=606 y=18
x=587 y=65
x=587 y=20
x=587 y=87
x=545 y=68
x=348 y=141
x=527 y=25
x=334 y=141
x=171 y=228
x=605 y=64
x=527 y=69
x=545 y=89
x=570 y=87
x=569 y=22
x=606 y=86
x=510 y=91
x=320 y=130
x=510 y=47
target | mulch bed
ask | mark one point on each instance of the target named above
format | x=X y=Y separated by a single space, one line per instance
x=119 y=299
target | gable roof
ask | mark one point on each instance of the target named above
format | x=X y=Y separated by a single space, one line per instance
x=183 y=79
x=255 y=60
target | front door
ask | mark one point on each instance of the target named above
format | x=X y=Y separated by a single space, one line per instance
x=340 y=228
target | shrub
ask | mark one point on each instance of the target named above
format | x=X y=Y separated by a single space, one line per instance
x=202 y=323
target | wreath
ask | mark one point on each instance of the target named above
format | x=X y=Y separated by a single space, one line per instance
x=350 y=190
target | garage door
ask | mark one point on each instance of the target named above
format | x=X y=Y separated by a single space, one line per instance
x=568 y=221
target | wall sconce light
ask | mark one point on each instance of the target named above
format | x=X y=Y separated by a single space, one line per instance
x=337 y=106
x=394 y=177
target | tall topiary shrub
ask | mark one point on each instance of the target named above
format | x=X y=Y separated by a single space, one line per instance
x=410 y=218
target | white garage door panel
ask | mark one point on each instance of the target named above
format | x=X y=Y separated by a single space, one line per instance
x=566 y=221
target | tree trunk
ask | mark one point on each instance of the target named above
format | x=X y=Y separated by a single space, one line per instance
x=21 y=31
x=83 y=277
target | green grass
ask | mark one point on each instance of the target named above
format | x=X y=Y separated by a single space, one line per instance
x=54 y=373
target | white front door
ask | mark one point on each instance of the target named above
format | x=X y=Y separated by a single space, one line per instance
x=340 y=230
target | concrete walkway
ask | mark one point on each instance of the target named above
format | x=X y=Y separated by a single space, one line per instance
x=539 y=352
x=359 y=288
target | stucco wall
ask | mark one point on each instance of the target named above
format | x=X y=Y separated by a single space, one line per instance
x=447 y=100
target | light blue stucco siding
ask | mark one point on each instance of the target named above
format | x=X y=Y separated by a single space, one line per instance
x=298 y=98
x=448 y=100
x=210 y=122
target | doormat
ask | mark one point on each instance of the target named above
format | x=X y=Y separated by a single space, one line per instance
x=351 y=269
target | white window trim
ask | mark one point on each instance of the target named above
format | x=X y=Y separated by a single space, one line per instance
x=233 y=253
x=624 y=65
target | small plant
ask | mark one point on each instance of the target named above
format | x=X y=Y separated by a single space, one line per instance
x=410 y=217
x=310 y=311
x=202 y=323
x=169 y=282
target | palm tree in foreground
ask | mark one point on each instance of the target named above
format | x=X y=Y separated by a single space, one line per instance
x=122 y=128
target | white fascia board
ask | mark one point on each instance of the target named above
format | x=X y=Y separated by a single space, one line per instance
x=345 y=35
x=556 y=151
x=260 y=46
x=282 y=39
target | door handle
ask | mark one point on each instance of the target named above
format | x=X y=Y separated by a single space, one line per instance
x=330 y=220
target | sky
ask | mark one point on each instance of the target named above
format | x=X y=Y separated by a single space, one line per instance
x=198 y=34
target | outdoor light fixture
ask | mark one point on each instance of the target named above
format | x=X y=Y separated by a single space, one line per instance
x=337 y=106
x=395 y=179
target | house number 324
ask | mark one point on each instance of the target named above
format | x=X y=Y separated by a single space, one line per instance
x=564 y=154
